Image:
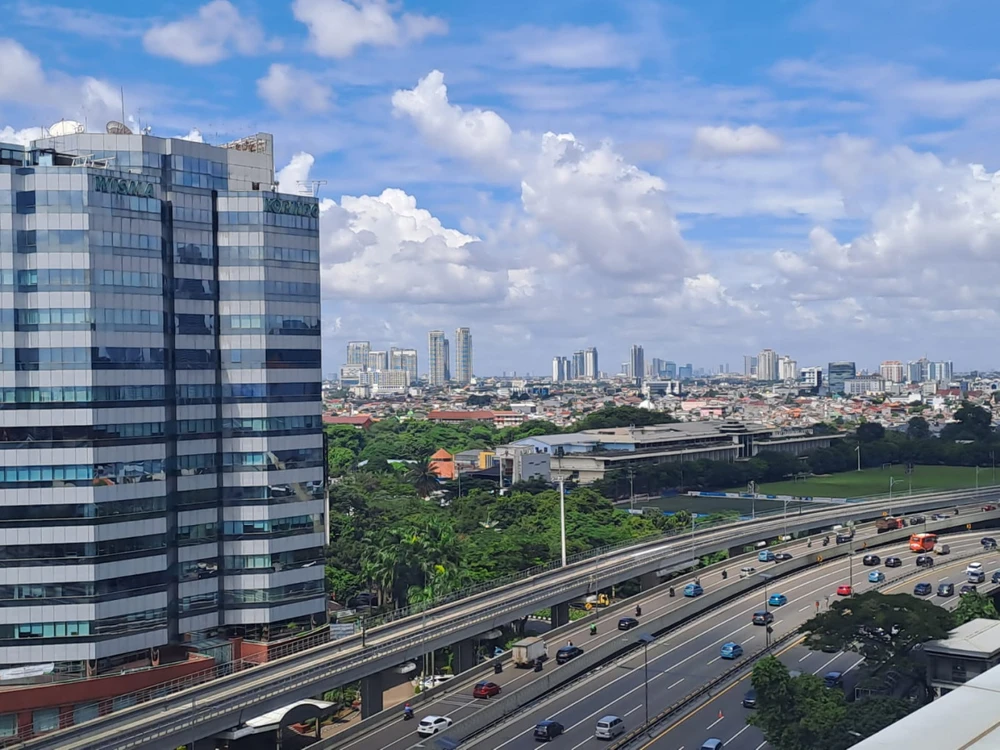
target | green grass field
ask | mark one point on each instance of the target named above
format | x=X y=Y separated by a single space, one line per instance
x=876 y=482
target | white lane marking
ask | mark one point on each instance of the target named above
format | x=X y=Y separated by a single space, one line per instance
x=633 y=710
x=761 y=745
x=805 y=657
x=808 y=606
x=942 y=580
x=832 y=659
x=855 y=664
x=675 y=684
x=729 y=742
x=581 y=744
x=721 y=718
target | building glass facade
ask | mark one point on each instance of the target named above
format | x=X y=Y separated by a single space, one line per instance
x=161 y=455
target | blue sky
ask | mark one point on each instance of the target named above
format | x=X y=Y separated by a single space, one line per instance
x=705 y=178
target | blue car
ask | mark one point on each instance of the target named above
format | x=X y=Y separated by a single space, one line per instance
x=693 y=589
x=876 y=576
x=765 y=555
x=777 y=600
x=731 y=651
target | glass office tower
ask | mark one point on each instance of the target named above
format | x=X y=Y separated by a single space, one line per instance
x=161 y=456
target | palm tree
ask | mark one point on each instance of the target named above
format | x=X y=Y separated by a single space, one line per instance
x=423 y=476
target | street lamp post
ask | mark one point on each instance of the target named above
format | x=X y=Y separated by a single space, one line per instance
x=693 y=561
x=857 y=449
x=767 y=627
x=631 y=487
x=785 y=531
x=993 y=460
x=892 y=481
x=562 y=516
x=646 y=639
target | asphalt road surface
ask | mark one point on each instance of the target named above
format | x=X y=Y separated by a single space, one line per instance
x=684 y=659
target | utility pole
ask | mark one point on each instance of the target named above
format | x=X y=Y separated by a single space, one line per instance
x=631 y=487
x=857 y=449
x=562 y=516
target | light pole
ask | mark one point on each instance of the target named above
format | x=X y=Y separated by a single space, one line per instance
x=693 y=560
x=767 y=626
x=785 y=531
x=892 y=481
x=850 y=564
x=646 y=639
x=562 y=516
x=977 y=480
x=993 y=460
x=857 y=449
x=631 y=487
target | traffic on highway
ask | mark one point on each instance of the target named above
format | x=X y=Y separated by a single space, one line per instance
x=686 y=658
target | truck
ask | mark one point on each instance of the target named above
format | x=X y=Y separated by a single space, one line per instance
x=889 y=524
x=527 y=651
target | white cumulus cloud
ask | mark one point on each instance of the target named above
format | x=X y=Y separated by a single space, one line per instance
x=726 y=141
x=288 y=89
x=22 y=72
x=337 y=28
x=216 y=31
x=292 y=175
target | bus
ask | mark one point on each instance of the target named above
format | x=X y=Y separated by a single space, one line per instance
x=922 y=542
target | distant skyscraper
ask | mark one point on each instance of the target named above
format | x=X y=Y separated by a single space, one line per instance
x=357 y=352
x=405 y=360
x=378 y=360
x=685 y=372
x=463 y=356
x=812 y=377
x=788 y=368
x=892 y=371
x=437 y=358
x=767 y=365
x=941 y=371
x=749 y=366
x=919 y=371
x=590 y=368
x=637 y=365
x=838 y=373
x=560 y=369
x=656 y=368
x=670 y=370
x=578 y=366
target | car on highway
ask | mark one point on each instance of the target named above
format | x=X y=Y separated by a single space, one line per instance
x=609 y=727
x=485 y=690
x=750 y=698
x=995 y=578
x=923 y=589
x=432 y=725
x=711 y=744
x=988 y=542
x=693 y=589
x=765 y=555
x=942 y=549
x=893 y=562
x=833 y=679
x=777 y=600
x=987 y=508
x=782 y=556
x=925 y=561
x=940 y=517
x=946 y=589
x=566 y=653
x=731 y=650
x=762 y=618
x=876 y=576
x=967 y=589
x=747 y=570
x=974 y=572
x=914 y=520
x=627 y=623
x=843 y=590
x=871 y=560
x=546 y=731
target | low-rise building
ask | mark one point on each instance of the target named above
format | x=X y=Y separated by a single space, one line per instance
x=588 y=455
x=968 y=651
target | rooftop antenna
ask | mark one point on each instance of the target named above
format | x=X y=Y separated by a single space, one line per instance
x=310 y=187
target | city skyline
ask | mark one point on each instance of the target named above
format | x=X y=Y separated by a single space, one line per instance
x=819 y=195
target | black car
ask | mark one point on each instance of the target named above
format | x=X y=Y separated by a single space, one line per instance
x=566 y=653
x=996 y=577
x=967 y=589
x=763 y=618
x=946 y=589
x=988 y=542
x=871 y=560
x=546 y=731
x=893 y=562
x=782 y=556
x=750 y=698
x=925 y=561
x=922 y=589
x=627 y=623
x=915 y=520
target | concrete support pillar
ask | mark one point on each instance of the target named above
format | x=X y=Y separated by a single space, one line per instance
x=648 y=581
x=371 y=695
x=560 y=615
x=465 y=655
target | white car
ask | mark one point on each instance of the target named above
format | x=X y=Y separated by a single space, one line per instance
x=432 y=725
x=426 y=683
x=975 y=568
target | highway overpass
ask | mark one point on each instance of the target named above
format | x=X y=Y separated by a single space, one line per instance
x=206 y=709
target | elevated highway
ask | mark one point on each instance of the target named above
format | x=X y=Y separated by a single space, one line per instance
x=204 y=710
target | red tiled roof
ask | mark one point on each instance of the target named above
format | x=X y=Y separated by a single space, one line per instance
x=358 y=420
x=455 y=416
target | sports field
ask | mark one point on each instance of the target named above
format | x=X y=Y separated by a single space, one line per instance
x=876 y=482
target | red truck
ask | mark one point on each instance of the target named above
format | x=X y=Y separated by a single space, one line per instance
x=889 y=524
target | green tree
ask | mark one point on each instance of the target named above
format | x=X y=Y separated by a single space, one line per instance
x=972 y=422
x=423 y=476
x=973 y=605
x=340 y=461
x=869 y=432
x=883 y=628
x=622 y=416
x=917 y=428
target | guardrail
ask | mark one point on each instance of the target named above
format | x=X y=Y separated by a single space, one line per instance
x=312 y=671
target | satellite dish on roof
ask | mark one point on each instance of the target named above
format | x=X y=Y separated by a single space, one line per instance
x=65 y=127
x=117 y=128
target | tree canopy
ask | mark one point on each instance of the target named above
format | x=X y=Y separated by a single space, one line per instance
x=975 y=605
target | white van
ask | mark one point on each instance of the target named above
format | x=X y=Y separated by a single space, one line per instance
x=942 y=549
x=609 y=727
